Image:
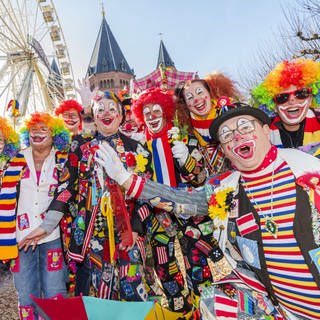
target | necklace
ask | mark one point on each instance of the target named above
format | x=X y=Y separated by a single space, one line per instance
x=270 y=225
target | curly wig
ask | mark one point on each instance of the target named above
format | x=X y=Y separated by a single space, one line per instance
x=60 y=134
x=299 y=72
x=11 y=140
x=66 y=105
x=164 y=98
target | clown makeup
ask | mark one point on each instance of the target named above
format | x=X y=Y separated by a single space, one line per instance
x=71 y=119
x=129 y=126
x=198 y=99
x=2 y=142
x=247 y=141
x=40 y=136
x=107 y=115
x=294 y=110
x=153 y=117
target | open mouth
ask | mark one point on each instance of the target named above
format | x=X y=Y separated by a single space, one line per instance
x=245 y=150
x=37 y=139
x=107 y=121
x=154 y=124
x=71 y=122
x=293 y=113
x=200 y=107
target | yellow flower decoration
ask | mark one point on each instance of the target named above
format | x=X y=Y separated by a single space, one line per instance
x=141 y=163
x=220 y=203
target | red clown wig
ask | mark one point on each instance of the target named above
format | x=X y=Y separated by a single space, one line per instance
x=154 y=95
x=67 y=105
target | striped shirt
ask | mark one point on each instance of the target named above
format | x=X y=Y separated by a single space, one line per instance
x=291 y=279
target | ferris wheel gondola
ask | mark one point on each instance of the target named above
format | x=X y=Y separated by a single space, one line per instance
x=35 y=68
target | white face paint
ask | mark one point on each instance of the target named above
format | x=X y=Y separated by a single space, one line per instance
x=246 y=151
x=2 y=142
x=198 y=99
x=71 y=119
x=107 y=116
x=40 y=136
x=153 y=117
x=294 y=110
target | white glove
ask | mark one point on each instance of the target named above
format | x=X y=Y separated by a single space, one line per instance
x=85 y=93
x=180 y=152
x=110 y=161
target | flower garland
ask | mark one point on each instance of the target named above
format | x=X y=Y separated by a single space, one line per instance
x=220 y=203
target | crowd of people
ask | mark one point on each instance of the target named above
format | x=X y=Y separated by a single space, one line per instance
x=98 y=198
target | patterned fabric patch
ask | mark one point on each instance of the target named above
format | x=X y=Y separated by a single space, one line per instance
x=197 y=274
x=161 y=203
x=65 y=175
x=26 y=313
x=52 y=189
x=162 y=255
x=171 y=248
x=64 y=196
x=15 y=265
x=161 y=272
x=173 y=268
x=192 y=232
x=178 y=303
x=26 y=173
x=78 y=236
x=162 y=238
x=172 y=287
x=226 y=307
x=232 y=231
x=55 y=259
x=315 y=257
x=247 y=224
x=23 y=222
x=206 y=272
x=206 y=227
x=179 y=278
x=234 y=212
x=55 y=174
x=143 y=212
x=141 y=290
x=127 y=288
x=249 y=251
x=73 y=159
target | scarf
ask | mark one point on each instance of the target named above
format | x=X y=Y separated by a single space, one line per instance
x=162 y=159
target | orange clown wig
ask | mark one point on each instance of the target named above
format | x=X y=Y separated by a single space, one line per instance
x=299 y=72
x=60 y=134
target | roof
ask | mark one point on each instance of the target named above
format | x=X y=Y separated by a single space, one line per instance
x=107 y=55
x=164 y=57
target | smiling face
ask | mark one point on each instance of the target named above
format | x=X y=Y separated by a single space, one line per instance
x=107 y=116
x=153 y=117
x=129 y=126
x=198 y=99
x=246 y=151
x=294 y=111
x=40 y=136
x=71 y=119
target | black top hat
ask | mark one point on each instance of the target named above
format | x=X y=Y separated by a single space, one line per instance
x=233 y=110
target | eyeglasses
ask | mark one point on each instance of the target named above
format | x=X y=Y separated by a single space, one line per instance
x=301 y=94
x=243 y=128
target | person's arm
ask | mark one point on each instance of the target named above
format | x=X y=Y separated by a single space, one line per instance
x=181 y=202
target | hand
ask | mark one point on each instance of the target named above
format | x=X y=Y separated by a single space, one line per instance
x=110 y=161
x=85 y=93
x=180 y=152
x=32 y=239
x=128 y=248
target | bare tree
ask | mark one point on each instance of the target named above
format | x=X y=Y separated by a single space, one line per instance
x=299 y=36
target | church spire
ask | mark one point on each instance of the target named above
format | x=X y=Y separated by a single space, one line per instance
x=164 y=58
x=107 y=55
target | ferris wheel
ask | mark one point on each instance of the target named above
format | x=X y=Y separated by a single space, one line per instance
x=35 y=69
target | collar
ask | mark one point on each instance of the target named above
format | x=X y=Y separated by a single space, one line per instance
x=151 y=136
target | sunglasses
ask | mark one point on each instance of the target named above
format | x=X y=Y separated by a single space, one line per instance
x=301 y=94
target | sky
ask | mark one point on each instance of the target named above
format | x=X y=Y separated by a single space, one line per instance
x=201 y=36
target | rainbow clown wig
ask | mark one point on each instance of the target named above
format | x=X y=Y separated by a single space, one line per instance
x=60 y=134
x=164 y=98
x=299 y=72
x=12 y=142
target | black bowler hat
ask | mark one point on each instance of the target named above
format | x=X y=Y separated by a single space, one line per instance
x=233 y=110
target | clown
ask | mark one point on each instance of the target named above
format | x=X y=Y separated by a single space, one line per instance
x=30 y=179
x=176 y=162
x=198 y=107
x=83 y=182
x=291 y=90
x=264 y=211
x=70 y=111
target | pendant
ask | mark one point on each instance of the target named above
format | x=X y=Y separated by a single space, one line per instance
x=271 y=227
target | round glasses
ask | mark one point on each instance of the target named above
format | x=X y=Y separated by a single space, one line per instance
x=301 y=94
x=243 y=128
